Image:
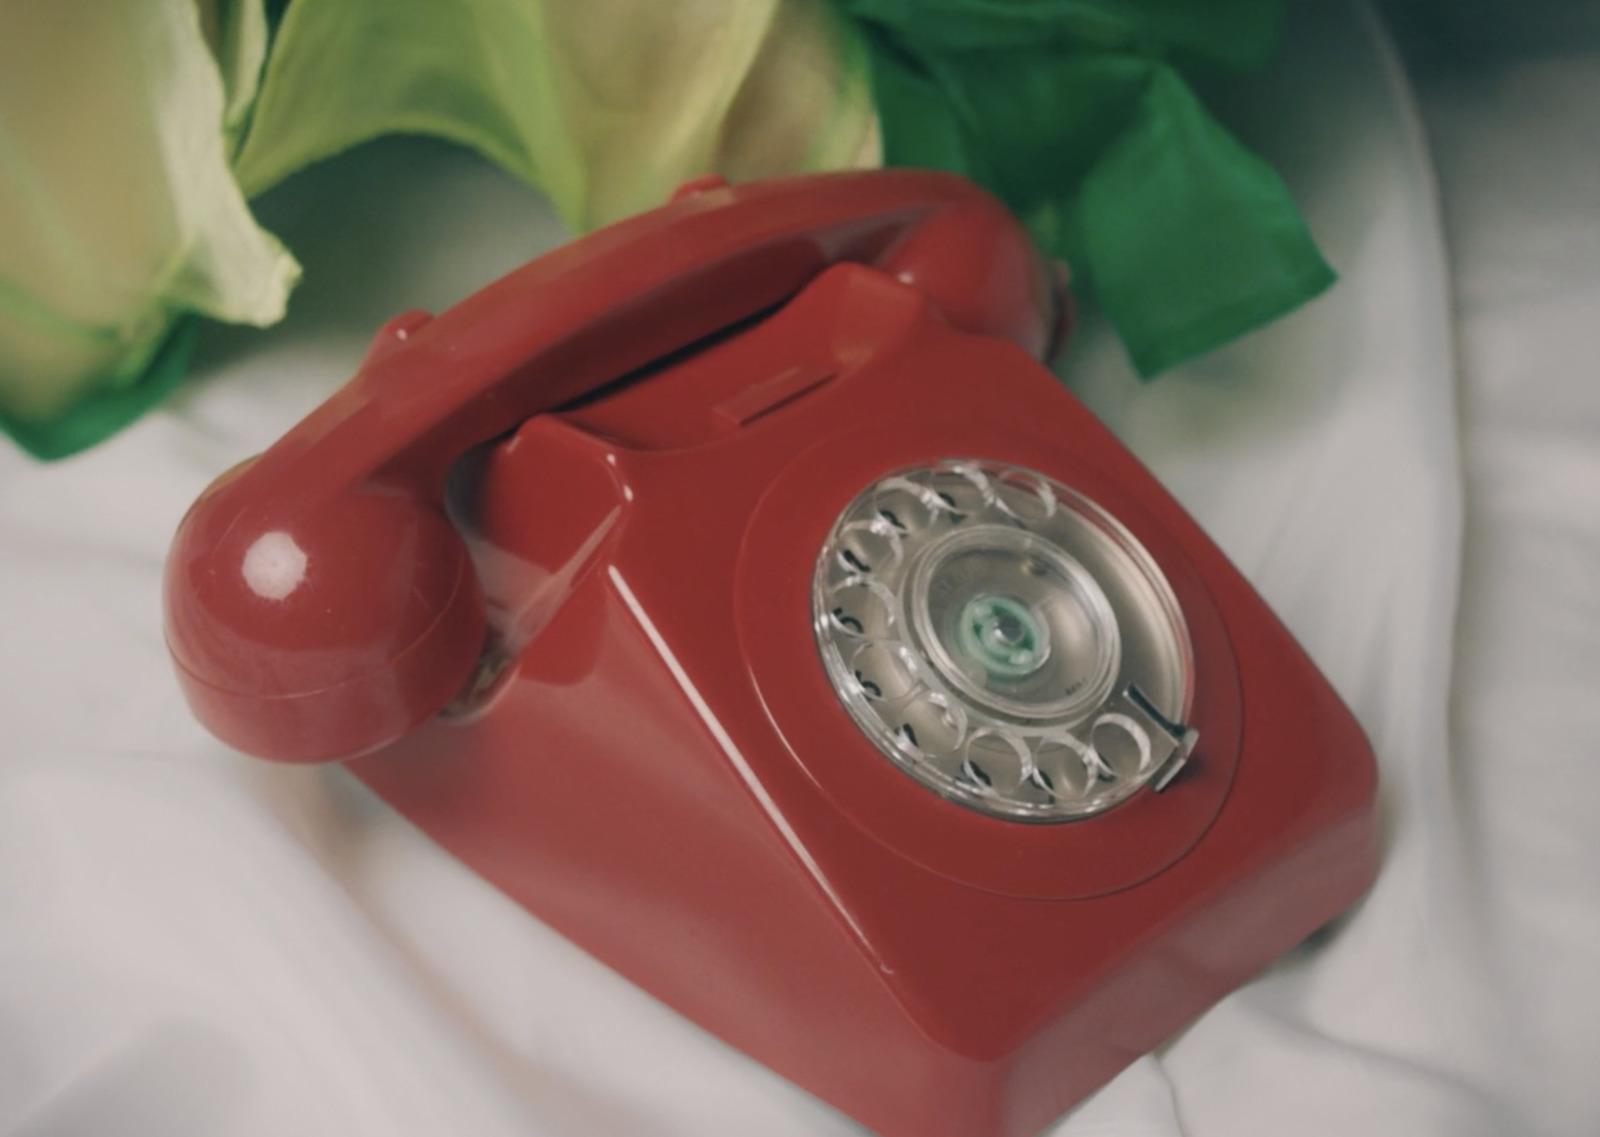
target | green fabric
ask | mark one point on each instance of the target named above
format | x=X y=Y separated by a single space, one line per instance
x=1230 y=33
x=102 y=413
x=1191 y=240
x=1075 y=113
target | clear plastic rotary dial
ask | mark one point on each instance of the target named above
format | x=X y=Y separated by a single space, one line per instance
x=1004 y=641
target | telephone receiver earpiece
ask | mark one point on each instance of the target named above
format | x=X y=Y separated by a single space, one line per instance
x=319 y=604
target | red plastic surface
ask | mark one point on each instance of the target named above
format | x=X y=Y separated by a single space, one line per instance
x=651 y=759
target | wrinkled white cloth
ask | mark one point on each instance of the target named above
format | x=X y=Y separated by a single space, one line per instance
x=193 y=943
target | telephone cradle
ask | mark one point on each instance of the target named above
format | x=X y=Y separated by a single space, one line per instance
x=735 y=590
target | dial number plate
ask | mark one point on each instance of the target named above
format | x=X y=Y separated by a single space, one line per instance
x=1004 y=641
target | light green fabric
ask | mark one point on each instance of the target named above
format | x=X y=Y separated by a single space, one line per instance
x=131 y=134
x=605 y=105
x=119 y=213
x=1076 y=114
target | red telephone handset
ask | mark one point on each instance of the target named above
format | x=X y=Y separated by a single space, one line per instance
x=320 y=605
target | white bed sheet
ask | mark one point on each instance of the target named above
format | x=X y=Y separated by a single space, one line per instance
x=194 y=943
x=1516 y=129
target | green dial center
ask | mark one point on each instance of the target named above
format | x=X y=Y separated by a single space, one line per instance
x=1003 y=636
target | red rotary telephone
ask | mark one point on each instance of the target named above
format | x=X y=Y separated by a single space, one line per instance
x=734 y=589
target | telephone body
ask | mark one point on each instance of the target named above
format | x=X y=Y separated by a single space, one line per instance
x=608 y=579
